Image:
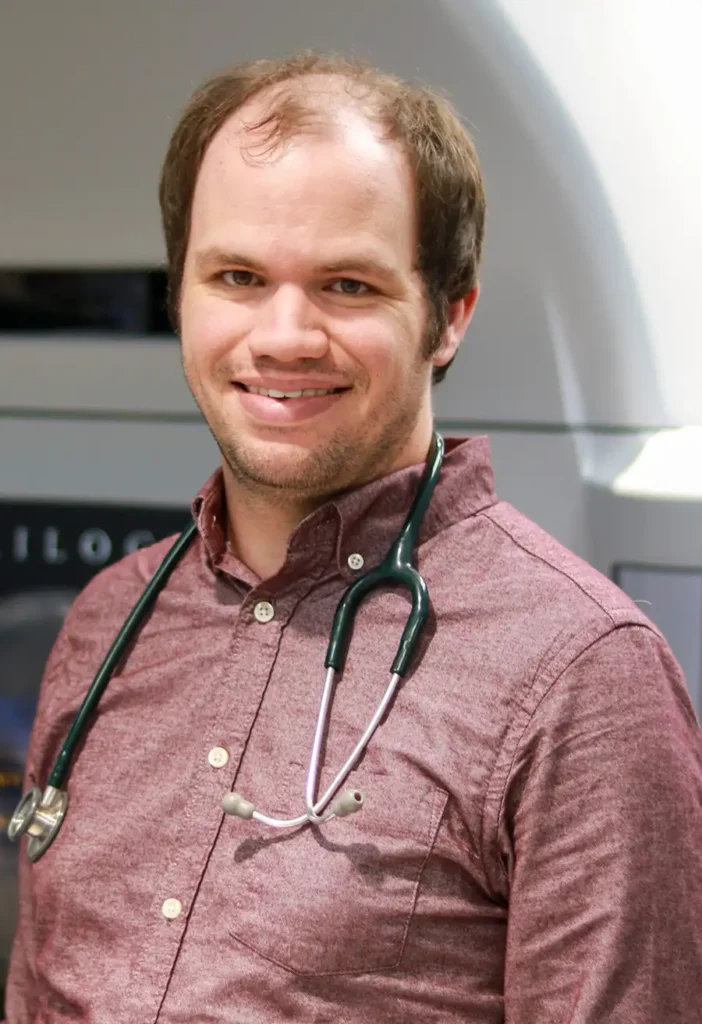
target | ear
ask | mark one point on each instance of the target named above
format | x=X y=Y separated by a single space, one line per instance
x=460 y=315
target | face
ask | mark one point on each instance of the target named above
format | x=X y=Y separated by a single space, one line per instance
x=302 y=312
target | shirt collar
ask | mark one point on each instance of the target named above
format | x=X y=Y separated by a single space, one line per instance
x=363 y=521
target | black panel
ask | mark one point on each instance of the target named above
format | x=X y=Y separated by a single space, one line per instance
x=119 y=302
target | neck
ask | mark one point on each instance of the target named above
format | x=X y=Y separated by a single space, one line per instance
x=260 y=522
x=258 y=529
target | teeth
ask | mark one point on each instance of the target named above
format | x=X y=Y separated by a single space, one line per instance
x=307 y=392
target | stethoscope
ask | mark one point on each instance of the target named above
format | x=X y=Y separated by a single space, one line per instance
x=40 y=815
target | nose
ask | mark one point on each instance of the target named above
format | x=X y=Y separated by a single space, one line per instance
x=287 y=327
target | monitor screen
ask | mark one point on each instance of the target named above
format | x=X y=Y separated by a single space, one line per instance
x=672 y=599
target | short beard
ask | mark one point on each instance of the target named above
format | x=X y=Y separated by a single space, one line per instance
x=320 y=474
x=342 y=462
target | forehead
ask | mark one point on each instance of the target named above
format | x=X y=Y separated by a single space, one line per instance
x=335 y=177
x=313 y=107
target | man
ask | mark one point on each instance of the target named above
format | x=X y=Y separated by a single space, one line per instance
x=530 y=847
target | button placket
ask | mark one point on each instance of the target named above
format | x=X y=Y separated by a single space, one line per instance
x=252 y=646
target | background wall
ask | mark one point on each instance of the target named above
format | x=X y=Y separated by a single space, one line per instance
x=581 y=347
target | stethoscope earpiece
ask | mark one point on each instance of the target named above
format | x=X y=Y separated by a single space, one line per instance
x=348 y=802
x=234 y=804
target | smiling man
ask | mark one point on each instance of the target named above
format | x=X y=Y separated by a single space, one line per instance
x=529 y=846
x=306 y=339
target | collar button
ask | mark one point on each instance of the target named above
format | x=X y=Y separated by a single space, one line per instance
x=264 y=611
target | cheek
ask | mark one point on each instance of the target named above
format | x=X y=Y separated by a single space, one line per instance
x=378 y=337
x=390 y=354
x=208 y=329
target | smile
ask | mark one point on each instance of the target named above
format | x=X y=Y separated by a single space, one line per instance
x=302 y=393
x=287 y=407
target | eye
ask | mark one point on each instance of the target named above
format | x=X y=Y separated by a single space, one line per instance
x=240 y=278
x=350 y=286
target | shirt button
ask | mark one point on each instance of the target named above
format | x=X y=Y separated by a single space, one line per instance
x=218 y=757
x=264 y=611
x=355 y=562
x=172 y=908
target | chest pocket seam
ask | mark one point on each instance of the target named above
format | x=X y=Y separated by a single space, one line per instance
x=438 y=800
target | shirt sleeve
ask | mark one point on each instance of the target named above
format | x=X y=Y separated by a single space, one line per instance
x=604 y=821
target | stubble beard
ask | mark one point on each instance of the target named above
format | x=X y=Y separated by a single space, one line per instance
x=350 y=457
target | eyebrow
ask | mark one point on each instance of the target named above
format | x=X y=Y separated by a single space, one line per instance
x=367 y=266
x=214 y=257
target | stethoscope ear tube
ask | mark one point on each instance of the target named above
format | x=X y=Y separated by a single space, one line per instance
x=40 y=816
x=119 y=645
x=396 y=568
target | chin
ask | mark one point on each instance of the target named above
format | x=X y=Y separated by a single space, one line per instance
x=286 y=464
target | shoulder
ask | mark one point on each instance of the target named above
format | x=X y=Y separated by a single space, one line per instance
x=116 y=587
x=524 y=567
x=552 y=567
x=500 y=583
x=100 y=609
x=608 y=651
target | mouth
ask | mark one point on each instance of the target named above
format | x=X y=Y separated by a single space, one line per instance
x=286 y=395
x=287 y=408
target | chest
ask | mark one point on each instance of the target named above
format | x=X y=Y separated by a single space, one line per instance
x=232 y=704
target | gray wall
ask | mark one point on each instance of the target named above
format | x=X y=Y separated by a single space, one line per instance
x=89 y=92
x=88 y=95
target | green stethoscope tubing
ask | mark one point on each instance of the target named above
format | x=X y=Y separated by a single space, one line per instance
x=119 y=645
x=396 y=568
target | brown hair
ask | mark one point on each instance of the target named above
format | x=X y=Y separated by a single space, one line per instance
x=449 y=186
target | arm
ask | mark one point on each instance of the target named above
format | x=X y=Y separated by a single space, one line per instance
x=604 y=817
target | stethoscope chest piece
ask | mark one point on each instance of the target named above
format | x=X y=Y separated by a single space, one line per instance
x=39 y=816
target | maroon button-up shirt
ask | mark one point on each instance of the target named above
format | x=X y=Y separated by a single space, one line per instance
x=530 y=849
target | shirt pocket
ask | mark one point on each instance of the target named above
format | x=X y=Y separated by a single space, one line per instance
x=337 y=898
